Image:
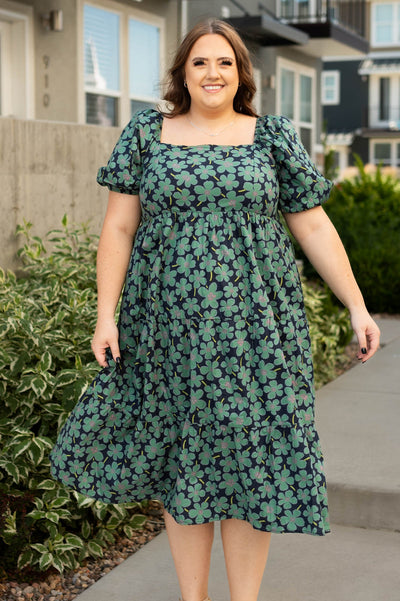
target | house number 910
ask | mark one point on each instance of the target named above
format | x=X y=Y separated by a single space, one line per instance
x=46 y=95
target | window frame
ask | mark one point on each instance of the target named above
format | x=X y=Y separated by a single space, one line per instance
x=89 y=89
x=336 y=87
x=124 y=97
x=394 y=146
x=143 y=98
x=298 y=69
x=375 y=98
x=395 y=22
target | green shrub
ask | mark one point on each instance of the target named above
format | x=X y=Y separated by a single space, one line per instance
x=47 y=317
x=366 y=213
x=330 y=332
x=46 y=322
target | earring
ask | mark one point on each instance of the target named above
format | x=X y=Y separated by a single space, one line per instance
x=185 y=84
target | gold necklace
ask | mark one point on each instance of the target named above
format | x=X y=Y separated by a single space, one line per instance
x=207 y=132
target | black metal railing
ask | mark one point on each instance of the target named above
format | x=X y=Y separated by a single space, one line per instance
x=347 y=13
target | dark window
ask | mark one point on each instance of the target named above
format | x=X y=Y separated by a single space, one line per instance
x=101 y=110
x=384 y=98
x=305 y=135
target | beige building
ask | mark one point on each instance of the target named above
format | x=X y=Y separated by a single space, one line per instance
x=72 y=72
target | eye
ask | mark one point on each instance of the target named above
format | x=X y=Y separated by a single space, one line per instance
x=227 y=62
x=198 y=62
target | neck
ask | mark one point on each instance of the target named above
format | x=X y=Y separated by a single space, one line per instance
x=211 y=118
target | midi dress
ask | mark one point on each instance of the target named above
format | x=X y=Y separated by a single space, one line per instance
x=211 y=410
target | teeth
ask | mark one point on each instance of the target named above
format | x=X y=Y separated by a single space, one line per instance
x=212 y=87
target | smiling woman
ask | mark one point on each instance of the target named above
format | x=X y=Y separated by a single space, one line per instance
x=206 y=390
x=178 y=95
x=211 y=79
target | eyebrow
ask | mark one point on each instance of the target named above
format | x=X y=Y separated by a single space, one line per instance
x=220 y=58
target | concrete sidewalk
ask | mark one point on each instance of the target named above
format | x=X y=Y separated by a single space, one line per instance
x=358 y=417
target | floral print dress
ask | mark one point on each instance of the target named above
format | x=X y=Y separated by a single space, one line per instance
x=212 y=408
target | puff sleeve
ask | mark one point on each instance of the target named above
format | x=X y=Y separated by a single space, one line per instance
x=124 y=168
x=301 y=185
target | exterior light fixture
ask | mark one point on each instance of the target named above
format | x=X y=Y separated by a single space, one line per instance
x=53 y=21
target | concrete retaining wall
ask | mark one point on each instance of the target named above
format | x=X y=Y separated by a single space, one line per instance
x=48 y=169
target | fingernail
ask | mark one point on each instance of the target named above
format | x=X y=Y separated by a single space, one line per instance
x=364 y=351
x=118 y=361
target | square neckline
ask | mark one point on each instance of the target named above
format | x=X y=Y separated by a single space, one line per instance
x=210 y=145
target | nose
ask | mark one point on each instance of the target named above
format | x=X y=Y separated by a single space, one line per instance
x=212 y=71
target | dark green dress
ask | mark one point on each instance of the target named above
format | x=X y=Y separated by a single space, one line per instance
x=212 y=410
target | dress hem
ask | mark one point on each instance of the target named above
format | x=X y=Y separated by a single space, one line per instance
x=321 y=531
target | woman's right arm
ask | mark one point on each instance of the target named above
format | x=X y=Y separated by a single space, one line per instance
x=115 y=246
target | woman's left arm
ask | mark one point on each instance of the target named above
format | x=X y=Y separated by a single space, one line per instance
x=320 y=242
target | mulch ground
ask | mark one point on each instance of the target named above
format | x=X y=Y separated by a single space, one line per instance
x=51 y=586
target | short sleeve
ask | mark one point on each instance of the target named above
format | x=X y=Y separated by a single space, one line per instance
x=301 y=185
x=124 y=168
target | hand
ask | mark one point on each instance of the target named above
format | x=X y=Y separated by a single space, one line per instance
x=105 y=336
x=367 y=333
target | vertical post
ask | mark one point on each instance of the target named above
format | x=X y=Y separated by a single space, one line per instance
x=319 y=10
x=328 y=11
x=363 y=18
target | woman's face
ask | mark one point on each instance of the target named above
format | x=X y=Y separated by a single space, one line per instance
x=211 y=73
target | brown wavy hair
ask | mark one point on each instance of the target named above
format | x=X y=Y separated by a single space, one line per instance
x=177 y=94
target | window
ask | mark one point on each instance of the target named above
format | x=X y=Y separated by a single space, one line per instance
x=296 y=98
x=386 y=153
x=385 y=24
x=122 y=55
x=384 y=98
x=295 y=9
x=305 y=98
x=144 y=75
x=382 y=153
x=330 y=87
x=384 y=105
x=102 y=69
x=287 y=93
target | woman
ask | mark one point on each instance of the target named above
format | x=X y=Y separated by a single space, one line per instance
x=207 y=402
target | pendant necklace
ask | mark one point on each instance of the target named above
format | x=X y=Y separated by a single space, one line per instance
x=207 y=132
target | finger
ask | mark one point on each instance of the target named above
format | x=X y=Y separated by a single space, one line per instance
x=371 y=346
x=100 y=355
x=362 y=345
x=114 y=347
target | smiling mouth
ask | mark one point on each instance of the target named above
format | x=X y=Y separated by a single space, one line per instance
x=214 y=88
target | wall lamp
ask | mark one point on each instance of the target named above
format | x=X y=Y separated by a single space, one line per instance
x=52 y=21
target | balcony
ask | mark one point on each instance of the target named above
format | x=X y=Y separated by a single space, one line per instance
x=266 y=30
x=321 y=27
x=384 y=118
x=335 y=27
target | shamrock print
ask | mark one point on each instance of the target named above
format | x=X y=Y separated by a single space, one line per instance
x=212 y=408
